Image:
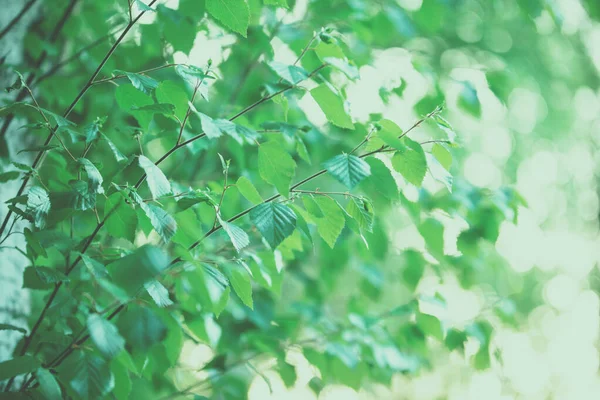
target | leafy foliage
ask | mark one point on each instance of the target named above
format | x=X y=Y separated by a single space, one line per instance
x=142 y=169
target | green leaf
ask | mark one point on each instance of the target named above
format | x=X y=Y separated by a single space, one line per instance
x=342 y=64
x=140 y=82
x=469 y=101
x=18 y=366
x=455 y=339
x=18 y=84
x=241 y=283
x=381 y=182
x=105 y=335
x=171 y=93
x=287 y=373
x=390 y=133
x=210 y=128
x=42 y=277
x=9 y=176
x=238 y=237
x=163 y=223
x=362 y=211
x=9 y=327
x=430 y=325
x=433 y=232
x=276 y=166
x=157 y=181
x=248 y=190
x=274 y=221
x=142 y=328
x=439 y=173
x=88 y=375
x=38 y=206
x=234 y=14
x=82 y=198
x=348 y=169
x=442 y=155
x=119 y=157
x=332 y=223
x=94 y=176
x=49 y=387
x=123 y=221
x=157 y=108
x=129 y=97
x=277 y=3
x=411 y=162
x=332 y=105
x=159 y=293
x=414 y=266
x=133 y=271
x=289 y=73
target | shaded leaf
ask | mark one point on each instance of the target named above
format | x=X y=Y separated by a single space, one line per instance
x=348 y=169
x=274 y=221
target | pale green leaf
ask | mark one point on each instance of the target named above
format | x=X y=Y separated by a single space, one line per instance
x=276 y=166
x=289 y=73
x=248 y=190
x=332 y=223
x=332 y=105
x=234 y=14
x=238 y=237
x=442 y=155
x=157 y=181
x=159 y=293
x=241 y=283
x=411 y=162
x=171 y=93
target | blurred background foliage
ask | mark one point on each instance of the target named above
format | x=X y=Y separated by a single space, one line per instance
x=488 y=291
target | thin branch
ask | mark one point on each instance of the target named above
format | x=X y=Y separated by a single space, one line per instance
x=319 y=193
x=27 y=7
x=76 y=55
x=114 y=78
x=188 y=112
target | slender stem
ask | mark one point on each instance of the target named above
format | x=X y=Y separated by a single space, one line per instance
x=17 y=18
x=188 y=112
x=48 y=125
x=114 y=78
x=41 y=153
x=76 y=55
x=317 y=192
x=269 y=97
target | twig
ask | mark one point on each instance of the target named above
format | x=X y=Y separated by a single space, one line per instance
x=17 y=18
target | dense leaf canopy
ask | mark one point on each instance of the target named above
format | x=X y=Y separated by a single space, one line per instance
x=196 y=177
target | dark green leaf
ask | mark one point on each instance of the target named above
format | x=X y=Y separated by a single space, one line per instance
x=274 y=221
x=348 y=169
x=18 y=366
x=38 y=205
x=133 y=271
